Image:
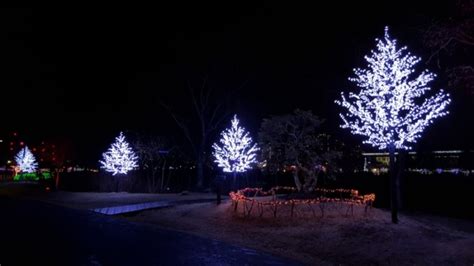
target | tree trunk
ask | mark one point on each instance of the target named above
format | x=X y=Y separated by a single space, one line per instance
x=200 y=173
x=394 y=185
x=402 y=155
x=162 y=175
x=155 y=179
x=311 y=180
x=234 y=180
x=168 y=179
x=297 y=179
x=56 y=183
x=116 y=184
x=315 y=178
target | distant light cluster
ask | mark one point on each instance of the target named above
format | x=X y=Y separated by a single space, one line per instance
x=388 y=110
x=237 y=152
x=120 y=158
x=26 y=161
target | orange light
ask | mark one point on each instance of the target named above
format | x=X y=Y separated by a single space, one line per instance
x=244 y=195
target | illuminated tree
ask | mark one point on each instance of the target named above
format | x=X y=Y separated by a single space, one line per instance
x=26 y=161
x=389 y=110
x=237 y=154
x=120 y=158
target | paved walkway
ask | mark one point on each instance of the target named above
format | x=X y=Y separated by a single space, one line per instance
x=36 y=233
x=132 y=207
x=128 y=208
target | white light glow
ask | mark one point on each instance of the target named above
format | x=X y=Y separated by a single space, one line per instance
x=389 y=110
x=26 y=161
x=120 y=158
x=237 y=152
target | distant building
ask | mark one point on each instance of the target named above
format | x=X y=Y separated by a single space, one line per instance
x=454 y=161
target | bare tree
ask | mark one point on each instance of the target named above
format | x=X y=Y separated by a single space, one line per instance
x=153 y=152
x=60 y=158
x=451 y=41
x=293 y=142
x=210 y=109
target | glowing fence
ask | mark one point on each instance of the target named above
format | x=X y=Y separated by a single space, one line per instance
x=249 y=198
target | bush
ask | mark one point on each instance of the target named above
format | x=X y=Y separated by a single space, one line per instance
x=32 y=176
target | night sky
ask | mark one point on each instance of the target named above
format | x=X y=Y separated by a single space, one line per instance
x=87 y=72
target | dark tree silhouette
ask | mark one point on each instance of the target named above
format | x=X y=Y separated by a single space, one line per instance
x=293 y=141
x=451 y=43
x=210 y=109
x=153 y=157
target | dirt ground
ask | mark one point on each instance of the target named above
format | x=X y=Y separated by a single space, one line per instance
x=336 y=238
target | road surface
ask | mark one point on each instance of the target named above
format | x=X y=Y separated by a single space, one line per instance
x=36 y=233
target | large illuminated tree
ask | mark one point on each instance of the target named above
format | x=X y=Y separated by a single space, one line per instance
x=390 y=110
x=26 y=161
x=236 y=153
x=120 y=158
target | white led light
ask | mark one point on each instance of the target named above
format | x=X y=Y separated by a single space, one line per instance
x=120 y=158
x=237 y=152
x=389 y=109
x=26 y=161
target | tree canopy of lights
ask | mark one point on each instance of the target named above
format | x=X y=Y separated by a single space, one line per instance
x=391 y=109
x=26 y=161
x=236 y=153
x=120 y=158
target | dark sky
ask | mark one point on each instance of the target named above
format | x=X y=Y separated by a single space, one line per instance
x=88 y=72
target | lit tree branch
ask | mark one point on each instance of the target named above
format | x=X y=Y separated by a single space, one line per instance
x=120 y=158
x=26 y=161
x=237 y=152
x=387 y=109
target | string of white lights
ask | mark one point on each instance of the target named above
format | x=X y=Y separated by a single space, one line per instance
x=237 y=152
x=26 y=161
x=120 y=158
x=389 y=109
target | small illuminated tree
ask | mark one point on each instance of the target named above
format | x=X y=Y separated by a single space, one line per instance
x=120 y=158
x=236 y=153
x=26 y=161
x=389 y=110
